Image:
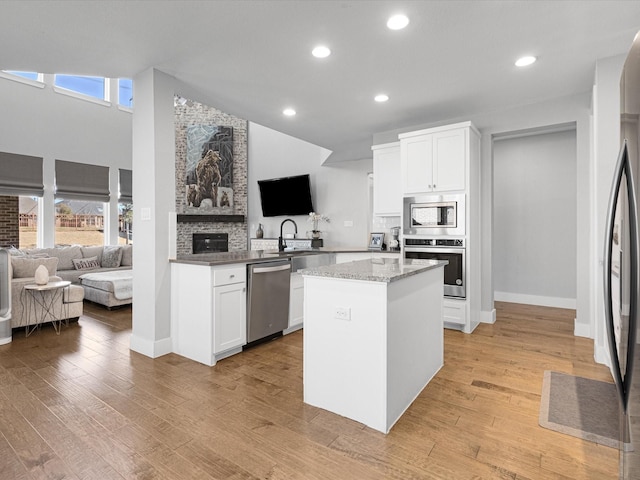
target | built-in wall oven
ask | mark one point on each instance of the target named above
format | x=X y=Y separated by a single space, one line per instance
x=450 y=249
x=434 y=215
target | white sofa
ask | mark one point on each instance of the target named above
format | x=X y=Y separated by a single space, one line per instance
x=23 y=273
x=71 y=265
x=63 y=263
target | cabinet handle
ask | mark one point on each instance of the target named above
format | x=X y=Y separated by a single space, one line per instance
x=244 y=289
x=232 y=276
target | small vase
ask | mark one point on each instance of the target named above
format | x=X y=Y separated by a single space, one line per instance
x=42 y=275
x=259 y=231
x=316 y=234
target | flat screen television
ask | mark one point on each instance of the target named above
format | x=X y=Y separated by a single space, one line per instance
x=285 y=196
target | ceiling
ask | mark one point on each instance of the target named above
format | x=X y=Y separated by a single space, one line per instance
x=252 y=58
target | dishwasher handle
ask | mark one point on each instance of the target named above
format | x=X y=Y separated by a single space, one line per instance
x=279 y=268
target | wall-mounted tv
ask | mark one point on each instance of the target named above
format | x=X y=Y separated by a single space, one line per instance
x=285 y=196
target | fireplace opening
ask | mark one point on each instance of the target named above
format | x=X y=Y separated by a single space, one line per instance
x=210 y=242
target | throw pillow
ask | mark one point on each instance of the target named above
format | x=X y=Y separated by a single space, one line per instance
x=86 y=263
x=127 y=256
x=96 y=251
x=111 y=256
x=26 y=267
x=15 y=251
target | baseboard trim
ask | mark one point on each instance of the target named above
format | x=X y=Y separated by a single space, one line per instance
x=488 y=316
x=150 y=348
x=557 y=302
x=581 y=329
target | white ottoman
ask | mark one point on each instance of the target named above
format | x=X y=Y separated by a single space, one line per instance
x=110 y=289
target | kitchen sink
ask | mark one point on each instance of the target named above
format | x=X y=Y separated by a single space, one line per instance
x=311 y=260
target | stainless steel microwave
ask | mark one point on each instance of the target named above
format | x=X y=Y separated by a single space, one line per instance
x=434 y=215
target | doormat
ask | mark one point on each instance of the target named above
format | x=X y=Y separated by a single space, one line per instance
x=580 y=407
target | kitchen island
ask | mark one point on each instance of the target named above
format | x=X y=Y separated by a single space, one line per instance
x=373 y=336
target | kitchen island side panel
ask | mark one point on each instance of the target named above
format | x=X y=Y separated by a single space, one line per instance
x=415 y=338
x=345 y=359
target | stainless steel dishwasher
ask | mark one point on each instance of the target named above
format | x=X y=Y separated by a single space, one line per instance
x=267 y=299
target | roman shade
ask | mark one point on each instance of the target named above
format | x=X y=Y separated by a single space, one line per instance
x=126 y=186
x=20 y=175
x=81 y=181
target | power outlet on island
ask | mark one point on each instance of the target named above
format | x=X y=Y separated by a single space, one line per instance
x=342 y=313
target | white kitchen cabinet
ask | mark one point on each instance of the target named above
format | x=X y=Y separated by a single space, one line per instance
x=387 y=190
x=229 y=317
x=434 y=160
x=296 y=302
x=208 y=311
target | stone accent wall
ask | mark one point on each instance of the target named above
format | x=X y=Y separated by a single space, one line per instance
x=194 y=113
x=9 y=222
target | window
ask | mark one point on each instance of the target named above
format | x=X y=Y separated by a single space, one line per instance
x=28 y=221
x=125 y=92
x=89 y=86
x=79 y=222
x=35 y=76
x=125 y=223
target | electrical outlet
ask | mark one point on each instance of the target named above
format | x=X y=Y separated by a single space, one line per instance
x=342 y=313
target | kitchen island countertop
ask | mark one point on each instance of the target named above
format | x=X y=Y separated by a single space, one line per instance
x=375 y=269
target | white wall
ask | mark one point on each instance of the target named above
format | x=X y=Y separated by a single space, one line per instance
x=339 y=191
x=534 y=205
x=40 y=122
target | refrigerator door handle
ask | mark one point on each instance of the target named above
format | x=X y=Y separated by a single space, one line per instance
x=623 y=167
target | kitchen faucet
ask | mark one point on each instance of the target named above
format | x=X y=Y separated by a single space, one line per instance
x=280 y=240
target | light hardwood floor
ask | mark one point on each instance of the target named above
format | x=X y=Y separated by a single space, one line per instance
x=83 y=406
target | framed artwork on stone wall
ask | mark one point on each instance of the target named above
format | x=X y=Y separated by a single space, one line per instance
x=209 y=169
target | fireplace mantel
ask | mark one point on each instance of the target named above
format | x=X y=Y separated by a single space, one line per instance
x=214 y=218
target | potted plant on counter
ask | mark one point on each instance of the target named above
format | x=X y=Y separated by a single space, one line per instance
x=315 y=219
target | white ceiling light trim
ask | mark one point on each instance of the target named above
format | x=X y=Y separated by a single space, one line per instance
x=321 y=51
x=397 y=22
x=525 y=61
x=289 y=112
x=382 y=97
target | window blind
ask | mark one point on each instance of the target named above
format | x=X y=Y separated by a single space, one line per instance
x=81 y=181
x=126 y=186
x=20 y=175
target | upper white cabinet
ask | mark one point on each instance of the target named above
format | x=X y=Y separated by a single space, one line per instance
x=387 y=190
x=434 y=160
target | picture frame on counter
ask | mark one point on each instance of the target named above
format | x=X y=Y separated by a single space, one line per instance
x=376 y=241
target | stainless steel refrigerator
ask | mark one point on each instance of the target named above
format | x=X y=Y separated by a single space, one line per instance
x=621 y=269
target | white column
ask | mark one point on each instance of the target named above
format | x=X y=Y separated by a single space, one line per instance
x=47 y=208
x=154 y=198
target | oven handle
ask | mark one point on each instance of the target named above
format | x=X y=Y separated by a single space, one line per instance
x=435 y=249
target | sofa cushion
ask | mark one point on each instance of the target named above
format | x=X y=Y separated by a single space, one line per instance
x=127 y=256
x=26 y=267
x=95 y=251
x=86 y=263
x=64 y=254
x=111 y=256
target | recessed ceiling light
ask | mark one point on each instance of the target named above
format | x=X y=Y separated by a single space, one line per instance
x=381 y=98
x=397 y=22
x=289 y=112
x=321 y=51
x=524 y=61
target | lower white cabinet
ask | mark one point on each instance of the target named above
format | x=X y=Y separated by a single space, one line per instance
x=296 y=302
x=208 y=311
x=229 y=316
x=454 y=312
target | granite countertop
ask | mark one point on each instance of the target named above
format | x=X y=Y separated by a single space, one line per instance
x=255 y=256
x=375 y=269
